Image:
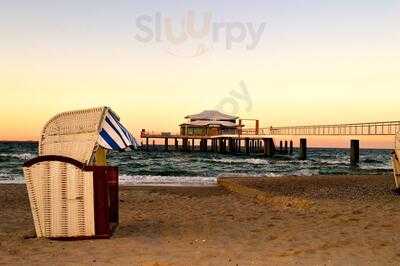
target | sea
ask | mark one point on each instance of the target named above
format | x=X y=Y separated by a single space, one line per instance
x=138 y=167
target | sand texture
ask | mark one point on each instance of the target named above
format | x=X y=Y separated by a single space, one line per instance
x=345 y=220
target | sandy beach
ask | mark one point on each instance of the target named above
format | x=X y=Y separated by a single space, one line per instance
x=348 y=220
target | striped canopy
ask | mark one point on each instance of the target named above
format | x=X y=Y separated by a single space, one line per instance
x=113 y=135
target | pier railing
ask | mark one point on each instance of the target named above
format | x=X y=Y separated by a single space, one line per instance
x=375 y=128
x=390 y=128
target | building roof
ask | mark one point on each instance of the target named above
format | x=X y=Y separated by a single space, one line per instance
x=211 y=115
x=202 y=123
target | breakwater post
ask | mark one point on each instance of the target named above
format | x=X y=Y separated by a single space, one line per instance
x=355 y=152
x=268 y=147
x=291 y=147
x=303 y=149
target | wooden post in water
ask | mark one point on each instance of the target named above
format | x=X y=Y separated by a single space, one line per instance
x=147 y=144
x=185 y=147
x=154 y=145
x=166 y=144
x=280 y=146
x=268 y=147
x=355 y=152
x=176 y=144
x=231 y=146
x=291 y=147
x=193 y=146
x=286 y=147
x=303 y=149
x=247 y=145
x=221 y=145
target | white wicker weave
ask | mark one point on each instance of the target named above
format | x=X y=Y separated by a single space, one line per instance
x=73 y=134
x=61 y=197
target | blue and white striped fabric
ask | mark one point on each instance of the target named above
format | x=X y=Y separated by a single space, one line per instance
x=114 y=136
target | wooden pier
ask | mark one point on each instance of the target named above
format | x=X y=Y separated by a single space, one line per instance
x=260 y=141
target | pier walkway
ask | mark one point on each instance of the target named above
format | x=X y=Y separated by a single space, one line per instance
x=355 y=129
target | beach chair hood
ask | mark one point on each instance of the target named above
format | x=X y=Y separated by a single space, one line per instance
x=78 y=134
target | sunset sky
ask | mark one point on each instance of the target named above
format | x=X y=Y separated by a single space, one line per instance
x=316 y=62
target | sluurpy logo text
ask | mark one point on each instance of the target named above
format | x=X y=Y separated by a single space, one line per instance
x=195 y=35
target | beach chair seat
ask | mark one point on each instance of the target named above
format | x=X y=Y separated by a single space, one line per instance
x=72 y=193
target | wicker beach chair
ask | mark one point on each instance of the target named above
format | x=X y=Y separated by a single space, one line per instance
x=396 y=161
x=72 y=193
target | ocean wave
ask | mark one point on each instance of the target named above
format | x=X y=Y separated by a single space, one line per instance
x=254 y=161
x=166 y=180
x=20 y=156
x=332 y=161
x=7 y=178
x=306 y=172
x=368 y=160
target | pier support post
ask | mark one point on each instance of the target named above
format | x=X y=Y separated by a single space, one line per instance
x=193 y=146
x=231 y=145
x=291 y=147
x=303 y=149
x=268 y=147
x=221 y=145
x=247 y=145
x=286 y=147
x=355 y=152
x=185 y=145
x=154 y=145
x=176 y=144
x=281 y=146
x=147 y=144
x=166 y=144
